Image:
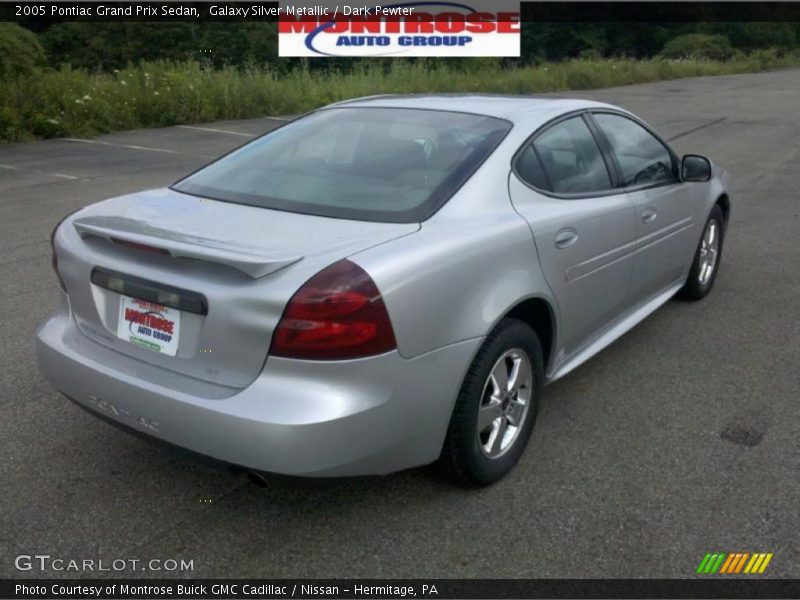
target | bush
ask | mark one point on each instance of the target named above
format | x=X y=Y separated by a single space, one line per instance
x=698 y=46
x=77 y=102
x=20 y=51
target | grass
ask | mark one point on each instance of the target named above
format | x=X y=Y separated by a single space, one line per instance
x=68 y=102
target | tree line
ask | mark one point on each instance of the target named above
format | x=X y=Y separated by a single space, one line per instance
x=108 y=46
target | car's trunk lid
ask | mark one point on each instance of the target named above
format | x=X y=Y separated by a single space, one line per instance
x=242 y=262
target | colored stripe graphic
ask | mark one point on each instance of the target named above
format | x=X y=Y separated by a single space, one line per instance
x=703 y=563
x=727 y=564
x=711 y=562
x=740 y=564
x=734 y=563
x=764 y=564
x=754 y=563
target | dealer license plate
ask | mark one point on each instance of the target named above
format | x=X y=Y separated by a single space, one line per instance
x=149 y=325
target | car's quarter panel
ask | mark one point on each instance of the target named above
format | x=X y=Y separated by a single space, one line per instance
x=591 y=276
x=455 y=278
x=229 y=344
x=331 y=418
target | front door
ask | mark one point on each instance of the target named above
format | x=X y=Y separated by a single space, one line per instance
x=665 y=221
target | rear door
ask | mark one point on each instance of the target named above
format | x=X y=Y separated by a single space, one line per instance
x=666 y=236
x=583 y=227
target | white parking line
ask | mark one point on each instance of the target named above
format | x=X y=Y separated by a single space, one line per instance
x=131 y=146
x=61 y=175
x=211 y=129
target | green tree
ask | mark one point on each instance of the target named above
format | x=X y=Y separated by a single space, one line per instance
x=20 y=51
x=698 y=45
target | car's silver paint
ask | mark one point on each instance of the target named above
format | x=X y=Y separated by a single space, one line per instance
x=373 y=415
x=667 y=219
x=446 y=283
x=254 y=261
x=229 y=345
x=617 y=328
x=590 y=277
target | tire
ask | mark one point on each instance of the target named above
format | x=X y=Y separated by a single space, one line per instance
x=476 y=458
x=700 y=281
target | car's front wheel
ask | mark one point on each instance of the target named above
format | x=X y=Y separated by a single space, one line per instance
x=496 y=407
x=705 y=265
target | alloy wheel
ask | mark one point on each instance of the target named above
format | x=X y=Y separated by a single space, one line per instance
x=504 y=403
x=709 y=250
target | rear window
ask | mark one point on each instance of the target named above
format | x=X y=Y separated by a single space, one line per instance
x=372 y=164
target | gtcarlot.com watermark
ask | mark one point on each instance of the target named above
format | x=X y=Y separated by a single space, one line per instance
x=46 y=562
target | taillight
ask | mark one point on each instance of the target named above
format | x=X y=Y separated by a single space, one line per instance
x=337 y=314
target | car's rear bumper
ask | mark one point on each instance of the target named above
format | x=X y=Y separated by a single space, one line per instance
x=358 y=417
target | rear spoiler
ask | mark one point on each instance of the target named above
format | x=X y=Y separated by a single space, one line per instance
x=252 y=261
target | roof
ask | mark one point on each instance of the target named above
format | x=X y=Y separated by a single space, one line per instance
x=511 y=107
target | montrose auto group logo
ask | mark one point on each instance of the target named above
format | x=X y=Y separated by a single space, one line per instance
x=401 y=29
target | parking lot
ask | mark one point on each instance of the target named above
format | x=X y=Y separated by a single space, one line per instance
x=681 y=438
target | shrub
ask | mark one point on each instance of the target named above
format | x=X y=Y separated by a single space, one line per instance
x=77 y=102
x=698 y=46
x=20 y=51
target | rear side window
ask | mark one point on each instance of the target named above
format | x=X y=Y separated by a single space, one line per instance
x=568 y=160
x=641 y=156
x=529 y=168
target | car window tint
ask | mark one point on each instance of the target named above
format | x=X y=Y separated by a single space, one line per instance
x=529 y=169
x=642 y=157
x=571 y=158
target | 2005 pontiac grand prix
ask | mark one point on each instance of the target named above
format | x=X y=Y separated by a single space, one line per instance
x=381 y=283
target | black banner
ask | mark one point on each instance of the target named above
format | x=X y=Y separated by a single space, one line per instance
x=733 y=587
x=550 y=11
x=168 y=11
x=661 y=12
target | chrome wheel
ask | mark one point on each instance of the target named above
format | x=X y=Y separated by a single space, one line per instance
x=504 y=403
x=709 y=250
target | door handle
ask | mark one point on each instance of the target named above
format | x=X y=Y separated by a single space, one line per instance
x=649 y=215
x=566 y=237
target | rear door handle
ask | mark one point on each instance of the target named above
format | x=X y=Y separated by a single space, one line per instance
x=649 y=215
x=566 y=237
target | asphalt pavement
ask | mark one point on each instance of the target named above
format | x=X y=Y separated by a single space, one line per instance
x=681 y=438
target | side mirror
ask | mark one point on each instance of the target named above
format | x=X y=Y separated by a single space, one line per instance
x=695 y=168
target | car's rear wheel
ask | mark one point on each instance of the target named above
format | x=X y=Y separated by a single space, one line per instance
x=706 y=259
x=496 y=407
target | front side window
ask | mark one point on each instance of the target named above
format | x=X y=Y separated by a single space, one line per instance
x=375 y=164
x=570 y=158
x=641 y=156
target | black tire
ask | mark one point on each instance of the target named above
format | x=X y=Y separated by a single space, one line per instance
x=462 y=456
x=694 y=288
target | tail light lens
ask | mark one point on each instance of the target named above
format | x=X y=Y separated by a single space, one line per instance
x=337 y=314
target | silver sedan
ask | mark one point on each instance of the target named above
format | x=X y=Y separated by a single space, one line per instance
x=380 y=284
